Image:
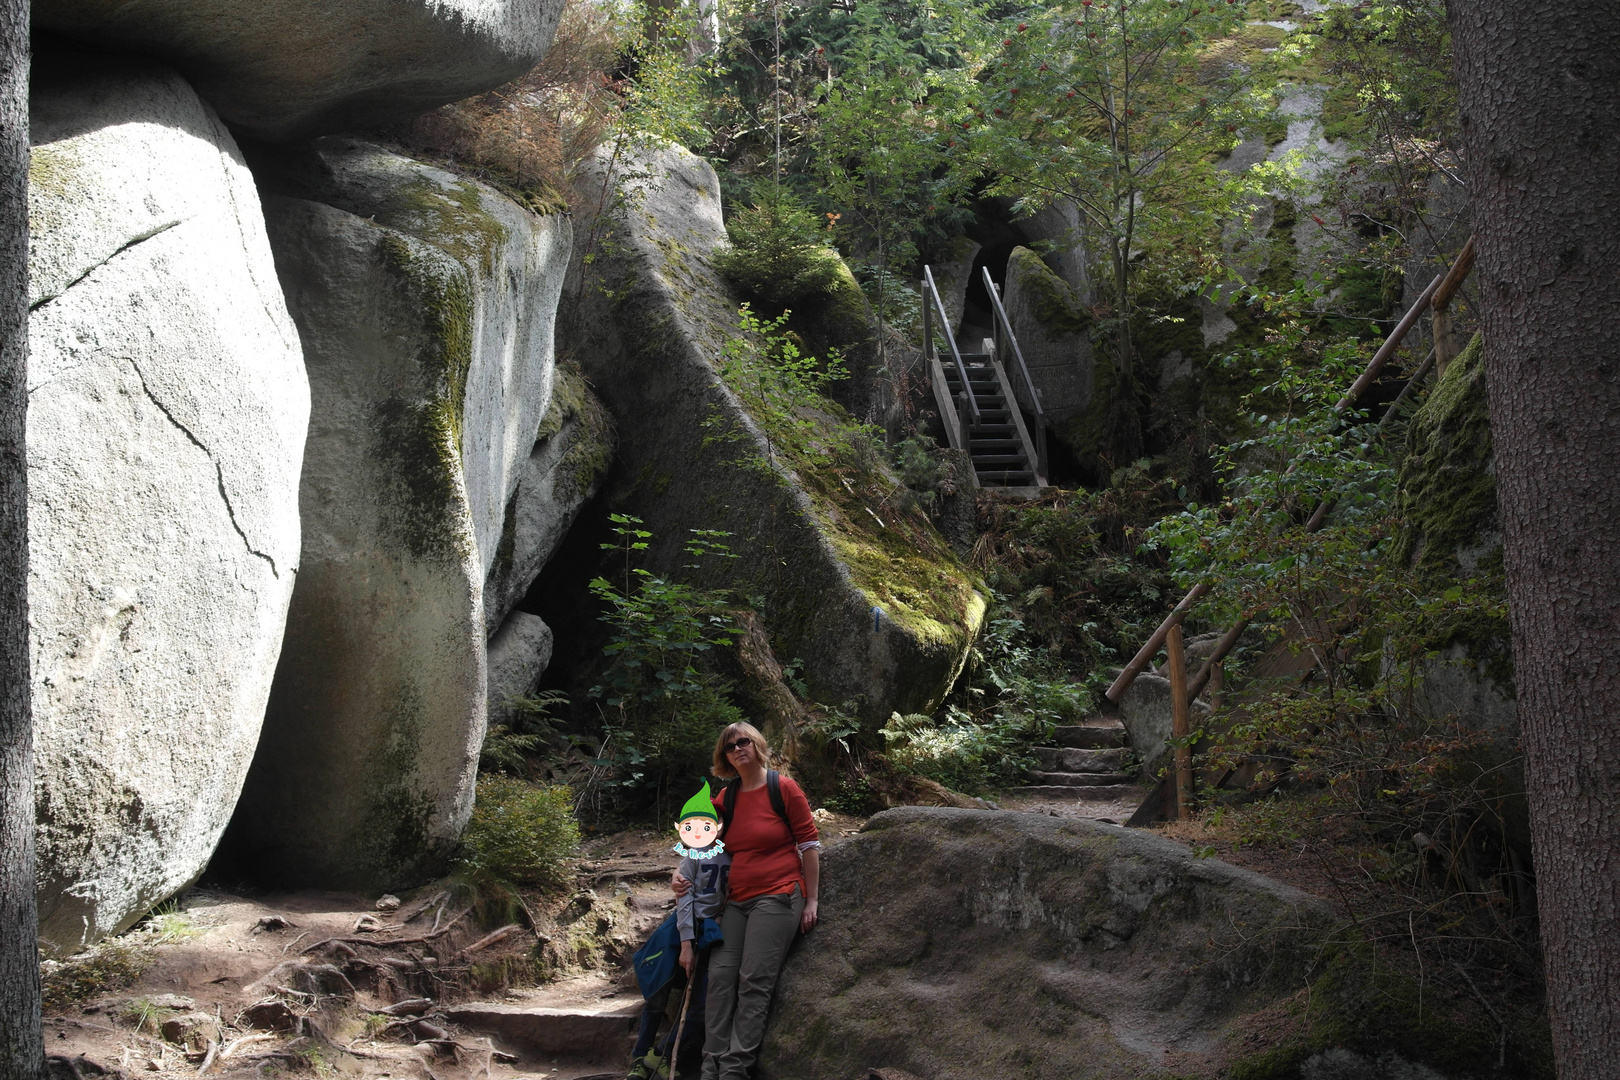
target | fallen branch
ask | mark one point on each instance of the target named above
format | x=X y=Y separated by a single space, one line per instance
x=235 y=1044
x=208 y=1058
x=490 y=939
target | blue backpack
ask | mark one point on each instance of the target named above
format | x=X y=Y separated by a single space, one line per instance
x=657 y=961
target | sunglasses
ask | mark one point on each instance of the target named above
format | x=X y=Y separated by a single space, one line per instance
x=737 y=744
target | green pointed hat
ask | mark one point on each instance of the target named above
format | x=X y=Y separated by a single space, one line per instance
x=699 y=805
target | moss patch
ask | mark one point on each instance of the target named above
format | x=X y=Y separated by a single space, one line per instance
x=1361 y=1003
x=590 y=451
x=1050 y=297
x=1447 y=483
x=422 y=439
x=1447 y=500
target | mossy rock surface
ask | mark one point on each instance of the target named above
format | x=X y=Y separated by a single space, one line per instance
x=963 y=944
x=1053 y=331
x=425 y=302
x=573 y=450
x=879 y=609
x=1448 y=478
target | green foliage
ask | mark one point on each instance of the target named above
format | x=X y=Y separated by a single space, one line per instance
x=510 y=749
x=664 y=98
x=1123 y=111
x=779 y=254
x=959 y=752
x=520 y=833
x=1426 y=811
x=663 y=702
x=783 y=391
x=1066 y=568
x=884 y=149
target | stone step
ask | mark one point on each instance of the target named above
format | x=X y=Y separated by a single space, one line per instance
x=1067 y=759
x=600 y=1033
x=1079 y=779
x=1100 y=793
x=1091 y=736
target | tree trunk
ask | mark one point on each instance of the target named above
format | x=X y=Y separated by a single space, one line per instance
x=21 y=1051
x=1540 y=100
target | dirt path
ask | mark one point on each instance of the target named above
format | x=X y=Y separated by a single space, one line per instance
x=234 y=985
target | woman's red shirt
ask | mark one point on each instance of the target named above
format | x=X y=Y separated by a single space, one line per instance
x=764 y=851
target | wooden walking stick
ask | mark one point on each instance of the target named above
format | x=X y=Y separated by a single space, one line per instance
x=680 y=1028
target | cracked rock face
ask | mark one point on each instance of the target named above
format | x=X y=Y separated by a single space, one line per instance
x=167 y=410
x=425 y=304
x=283 y=69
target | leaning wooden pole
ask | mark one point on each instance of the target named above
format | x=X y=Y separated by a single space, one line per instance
x=1144 y=655
x=1180 y=720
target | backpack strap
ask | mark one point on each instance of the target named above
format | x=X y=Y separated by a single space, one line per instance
x=773 y=788
x=729 y=807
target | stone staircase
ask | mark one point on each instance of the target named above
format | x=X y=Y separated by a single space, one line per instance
x=1091 y=761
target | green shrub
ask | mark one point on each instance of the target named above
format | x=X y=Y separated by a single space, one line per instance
x=779 y=252
x=521 y=833
x=963 y=754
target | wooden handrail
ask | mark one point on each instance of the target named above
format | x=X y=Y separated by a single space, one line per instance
x=1144 y=655
x=1387 y=349
x=950 y=338
x=1455 y=277
x=1023 y=369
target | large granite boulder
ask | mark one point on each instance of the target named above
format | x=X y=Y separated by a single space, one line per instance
x=881 y=616
x=283 y=69
x=564 y=470
x=167 y=410
x=518 y=655
x=963 y=944
x=1054 y=334
x=425 y=303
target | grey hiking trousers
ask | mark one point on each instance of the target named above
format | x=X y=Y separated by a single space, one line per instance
x=742 y=978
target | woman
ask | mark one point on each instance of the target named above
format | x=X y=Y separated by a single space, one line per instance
x=775 y=873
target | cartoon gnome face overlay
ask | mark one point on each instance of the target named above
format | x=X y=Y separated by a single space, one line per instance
x=699 y=827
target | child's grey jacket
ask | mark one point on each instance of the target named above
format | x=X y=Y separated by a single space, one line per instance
x=706 y=897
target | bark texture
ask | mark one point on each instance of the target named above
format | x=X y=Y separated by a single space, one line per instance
x=21 y=1051
x=1540 y=98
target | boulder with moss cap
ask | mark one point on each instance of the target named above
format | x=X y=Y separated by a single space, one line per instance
x=283 y=69
x=425 y=301
x=167 y=408
x=880 y=617
x=1054 y=334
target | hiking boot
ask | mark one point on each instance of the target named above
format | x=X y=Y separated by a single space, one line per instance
x=650 y=1067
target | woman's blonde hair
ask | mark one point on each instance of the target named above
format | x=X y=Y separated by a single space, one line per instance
x=722 y=767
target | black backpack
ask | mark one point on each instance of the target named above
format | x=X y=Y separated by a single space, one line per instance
x=773 y=788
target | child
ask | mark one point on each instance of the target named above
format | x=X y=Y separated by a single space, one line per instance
x=706 y=864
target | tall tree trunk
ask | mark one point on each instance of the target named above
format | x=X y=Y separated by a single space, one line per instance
x=21 y=1052
x=21 y=1049
x=1540 y=99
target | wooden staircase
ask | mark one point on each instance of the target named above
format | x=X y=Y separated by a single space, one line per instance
x=976 y=402
x=996 y=443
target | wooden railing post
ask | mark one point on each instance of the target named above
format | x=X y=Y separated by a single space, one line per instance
x=1180 y=721
x=1144 y=655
